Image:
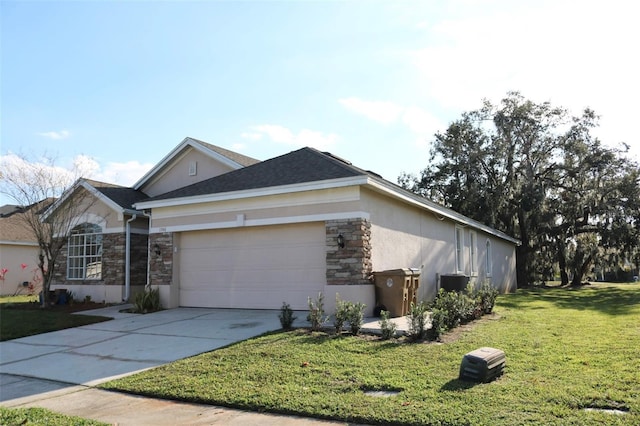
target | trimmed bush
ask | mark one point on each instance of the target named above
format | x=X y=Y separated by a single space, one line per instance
x=388 y=328
x=356 y=317
x=417 y=321
x=286 y=316
x=316 y=313
x=487 y=296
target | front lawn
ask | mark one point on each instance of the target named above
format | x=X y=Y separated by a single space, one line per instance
x=567 y=350
x=21 y=316
x=40 y=416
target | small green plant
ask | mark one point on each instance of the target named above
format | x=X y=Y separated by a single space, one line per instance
x=286 y=316
x=147 y=301
x=316 y=313
x=439 y=320
x=355 y=314
x=87 y=299
x=417 y=321
x=342 y=314
x=487 y=295
x=387 y=327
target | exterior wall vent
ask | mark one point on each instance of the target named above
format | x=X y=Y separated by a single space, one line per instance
x=193 y=168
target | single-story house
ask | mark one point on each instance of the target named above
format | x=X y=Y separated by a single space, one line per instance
x=228 y=231
x=19 y=272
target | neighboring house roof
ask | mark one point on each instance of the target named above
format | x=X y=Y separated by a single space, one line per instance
x=230 y=158
x=14 y=227
x=300 y=170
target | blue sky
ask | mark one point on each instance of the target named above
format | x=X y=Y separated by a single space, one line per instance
x=122 y=83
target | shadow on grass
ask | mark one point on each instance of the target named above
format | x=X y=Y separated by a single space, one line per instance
x=457 y=385
x=611 y=300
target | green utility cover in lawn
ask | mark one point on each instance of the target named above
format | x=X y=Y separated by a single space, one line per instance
x=482 y=365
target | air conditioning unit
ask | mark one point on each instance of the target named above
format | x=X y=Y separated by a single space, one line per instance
x=457 y=282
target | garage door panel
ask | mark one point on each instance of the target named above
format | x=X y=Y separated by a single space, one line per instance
x=253 y=267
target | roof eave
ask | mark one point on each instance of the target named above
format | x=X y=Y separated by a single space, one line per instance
x=249 y=193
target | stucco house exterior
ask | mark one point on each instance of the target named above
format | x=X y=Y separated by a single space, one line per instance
x=18 y=253
x=229 y=231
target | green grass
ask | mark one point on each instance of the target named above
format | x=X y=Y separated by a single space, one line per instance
x=566 y=350
x=40 y=416
x=20 y=318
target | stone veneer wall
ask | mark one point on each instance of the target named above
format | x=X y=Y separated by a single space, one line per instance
x=161 y=267
x=352 y=264
x=113 y=262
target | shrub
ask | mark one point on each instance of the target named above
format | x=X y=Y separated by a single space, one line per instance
x=417 y=321
x=487 y=297
x=439 y=320
x=387 y=327
x=316 y=312
x=147 y=301
x=356 y=317
x=342 y=314
x=286 y=316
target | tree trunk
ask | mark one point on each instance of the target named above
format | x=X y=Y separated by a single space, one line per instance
x=562 y=265
x=580 y=271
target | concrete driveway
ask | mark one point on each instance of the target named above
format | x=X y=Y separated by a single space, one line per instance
x=129 y=343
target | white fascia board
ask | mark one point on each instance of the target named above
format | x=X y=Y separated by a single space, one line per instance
x=167 y=158
x=225 y=160
x=18 y=243
x=259 y=192
x=423 y=203
x=261 y=222
x=174 y=154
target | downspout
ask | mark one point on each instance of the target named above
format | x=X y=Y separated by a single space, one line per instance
x=127 y=271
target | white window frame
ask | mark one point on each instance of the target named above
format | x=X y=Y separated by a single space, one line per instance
x=459 y=248
x=488 y=259
x=84 y=252
x=473 y=252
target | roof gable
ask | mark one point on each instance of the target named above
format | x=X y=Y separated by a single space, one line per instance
x=227 y=159
x=297 y=167
x=119 y=198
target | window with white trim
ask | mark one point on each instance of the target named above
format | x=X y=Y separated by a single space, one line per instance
x=488 y=259
x=473 y=252
x=459 y=249
x=84 y=248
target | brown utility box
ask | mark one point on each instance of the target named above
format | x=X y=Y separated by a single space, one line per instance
x=482 y=365
x=396 y=289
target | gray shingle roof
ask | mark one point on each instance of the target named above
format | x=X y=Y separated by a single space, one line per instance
x=303 y=165
x=123 y=196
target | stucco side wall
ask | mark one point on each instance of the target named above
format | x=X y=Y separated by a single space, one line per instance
x=177 y=174
x=403 y=236
x=12 y=258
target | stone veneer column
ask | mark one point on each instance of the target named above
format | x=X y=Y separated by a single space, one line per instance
x=161 y=266
x=352 y=264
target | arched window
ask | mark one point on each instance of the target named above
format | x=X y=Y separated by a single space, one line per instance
x=84 y=260
x=488 y=259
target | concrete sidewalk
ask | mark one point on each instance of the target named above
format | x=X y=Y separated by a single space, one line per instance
x=123 y=409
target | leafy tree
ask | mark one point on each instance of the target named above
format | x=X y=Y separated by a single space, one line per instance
x=535 y=172
x=36 y=186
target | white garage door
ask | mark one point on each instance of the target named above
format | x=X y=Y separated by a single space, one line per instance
x=256 y=267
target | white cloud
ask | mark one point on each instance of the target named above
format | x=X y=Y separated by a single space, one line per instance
x=62 y=134
x=304 y=137
x=381 y=111
x=421 y=122
x=125 y=174
x=251 y=136
x=238 y=147
x=574 y=56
